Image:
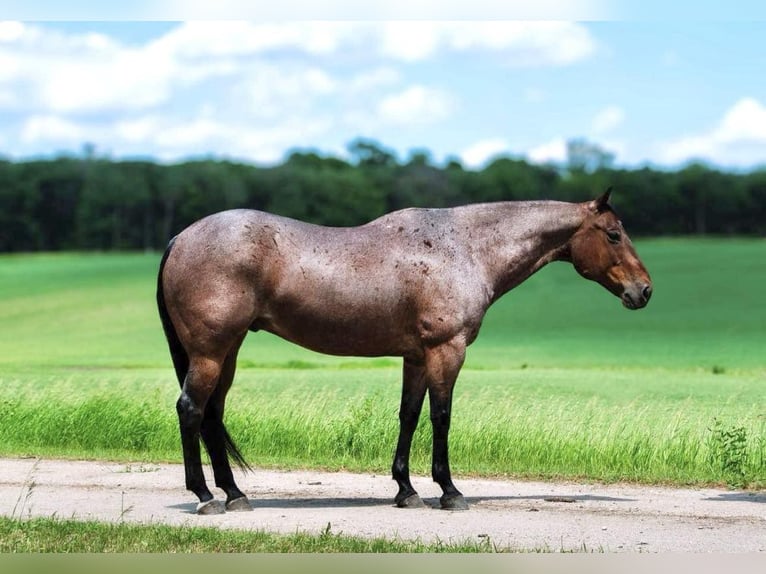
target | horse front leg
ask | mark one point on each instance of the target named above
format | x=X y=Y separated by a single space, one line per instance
x=413 y=393
x=443 y=364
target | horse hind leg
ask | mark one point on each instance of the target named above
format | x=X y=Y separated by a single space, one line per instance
x=217 y=441
x=199 y=383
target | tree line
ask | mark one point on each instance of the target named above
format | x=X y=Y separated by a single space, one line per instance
x=91 y=203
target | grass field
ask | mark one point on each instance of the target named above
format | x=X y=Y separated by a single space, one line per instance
x=562 y=382
x=42 y=535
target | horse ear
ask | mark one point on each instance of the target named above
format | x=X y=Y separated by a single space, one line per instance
x=601 y=203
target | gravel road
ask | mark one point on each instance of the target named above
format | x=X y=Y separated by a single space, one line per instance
x=520 y=515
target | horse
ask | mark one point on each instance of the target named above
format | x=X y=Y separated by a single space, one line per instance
x=414 y=283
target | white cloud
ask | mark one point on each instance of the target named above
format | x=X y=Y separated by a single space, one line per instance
x=52 y=71
x=171 y=139
x=51 y=128
x=137 y=130
x=126 y=81
x=607 y=120
x=416 y=104
x=237 y=38
x=479 y=153
x=265 y=143
x=239 y=86
x=373 y=79
x=520 y=43
x=11 y=31
x=525 y=43
x=90 y=73
x=738 y=139
x=272 y=91
x=745 y=121
x=351 y=9
x=410 y=41
x=554 y=151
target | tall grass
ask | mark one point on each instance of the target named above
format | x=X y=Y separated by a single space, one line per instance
x=327 y=419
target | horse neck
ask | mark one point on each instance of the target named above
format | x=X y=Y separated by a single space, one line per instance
x=519 y=238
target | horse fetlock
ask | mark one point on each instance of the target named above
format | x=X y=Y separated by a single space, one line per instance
x=441 y=475
x=400 y=470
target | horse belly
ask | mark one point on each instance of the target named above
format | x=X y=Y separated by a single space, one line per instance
x=338 y=326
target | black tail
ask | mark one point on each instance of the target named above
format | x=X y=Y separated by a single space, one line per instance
x=233 y=451
x=181 y=358
x=177 y=351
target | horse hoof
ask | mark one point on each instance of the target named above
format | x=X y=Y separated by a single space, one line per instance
x=211 y=506
x=241 y=504
x=412 y=501
x=454 y=502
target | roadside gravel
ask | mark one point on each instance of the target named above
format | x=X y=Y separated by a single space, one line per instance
x=520 y=515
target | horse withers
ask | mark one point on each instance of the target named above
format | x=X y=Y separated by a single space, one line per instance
x=414 y=283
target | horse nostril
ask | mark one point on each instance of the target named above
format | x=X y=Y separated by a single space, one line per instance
x=647 y=292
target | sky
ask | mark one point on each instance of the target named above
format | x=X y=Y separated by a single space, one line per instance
x=652 y=88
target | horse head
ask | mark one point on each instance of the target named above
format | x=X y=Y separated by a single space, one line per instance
x=601 y=251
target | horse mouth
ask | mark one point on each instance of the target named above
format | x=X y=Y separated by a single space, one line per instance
x=629 y=303
x=636 y=300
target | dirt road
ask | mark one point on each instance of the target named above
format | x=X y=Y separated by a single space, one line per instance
x=509 y=514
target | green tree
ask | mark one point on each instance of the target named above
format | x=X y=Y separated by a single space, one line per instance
x=324 y=191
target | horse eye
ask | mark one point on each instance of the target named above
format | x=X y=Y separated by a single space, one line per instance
x=613 y=235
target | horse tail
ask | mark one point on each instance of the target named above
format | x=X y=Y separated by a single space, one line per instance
x=177 y=351
x=234 y=452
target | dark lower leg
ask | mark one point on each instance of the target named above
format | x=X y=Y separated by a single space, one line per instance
x=413 y=393
x=451 y=498
x=407 y=496
x=190 y=420
x=213 y=435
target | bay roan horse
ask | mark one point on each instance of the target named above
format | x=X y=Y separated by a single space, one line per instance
x=415 y=283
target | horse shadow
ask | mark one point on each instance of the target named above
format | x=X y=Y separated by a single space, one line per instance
x=739 y=497
x=430 y=502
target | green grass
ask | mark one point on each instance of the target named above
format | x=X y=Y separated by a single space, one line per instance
x=530 y=425
x=71 y=536
x=707 y=311
x=562 y=382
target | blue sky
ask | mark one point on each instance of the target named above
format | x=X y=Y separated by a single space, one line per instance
x=659 y=91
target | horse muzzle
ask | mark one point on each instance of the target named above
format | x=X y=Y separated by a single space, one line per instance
x=637 y=296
